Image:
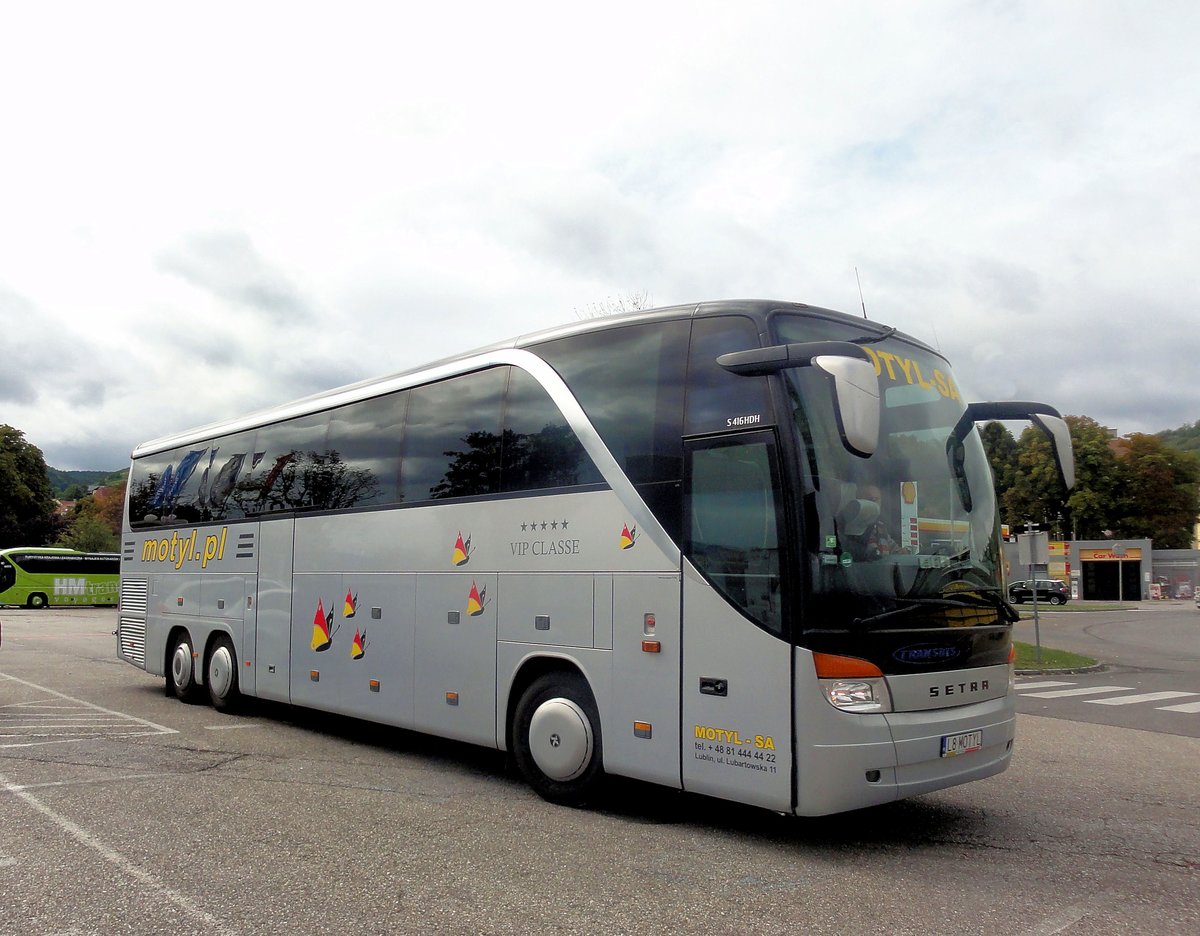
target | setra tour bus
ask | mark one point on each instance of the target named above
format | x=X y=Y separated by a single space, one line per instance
x=745 y=549
x=37 y=576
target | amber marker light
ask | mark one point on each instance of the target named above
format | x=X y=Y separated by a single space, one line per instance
x=651 y=646
x=831 y=666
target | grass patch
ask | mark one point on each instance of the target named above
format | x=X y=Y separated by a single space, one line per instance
x=1051 y=659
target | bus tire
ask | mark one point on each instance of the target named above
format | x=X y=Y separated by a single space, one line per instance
x=36 y=600
x=556 y=739
x=221 y=675
x=181 y=669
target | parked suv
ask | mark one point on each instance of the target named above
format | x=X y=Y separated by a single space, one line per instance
x=1049 y=590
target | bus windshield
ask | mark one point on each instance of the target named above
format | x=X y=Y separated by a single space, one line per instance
x=906 y=538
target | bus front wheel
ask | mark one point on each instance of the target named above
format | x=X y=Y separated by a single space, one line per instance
x=556 y=739
x=221 y=676
x=36 y=600
x=181 y=675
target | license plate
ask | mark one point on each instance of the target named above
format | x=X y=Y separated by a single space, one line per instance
x=965 y=743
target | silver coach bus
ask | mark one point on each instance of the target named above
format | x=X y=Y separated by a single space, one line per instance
x=746 y=549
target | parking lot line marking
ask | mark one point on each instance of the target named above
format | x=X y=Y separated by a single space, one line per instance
x=1085 y=690
x=96 y=781
x=1191 y=708
x=1021 y=687
x=162 y=729
x=84 y=837
x=232 y=727
x=1141 y=697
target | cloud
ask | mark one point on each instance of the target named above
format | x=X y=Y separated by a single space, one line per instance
x=227 y=265
x=1013 y=183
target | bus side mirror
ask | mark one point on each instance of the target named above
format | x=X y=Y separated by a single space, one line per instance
x=1060 y=439
x=855 y=387
x=855 y=401
x=1046 y=418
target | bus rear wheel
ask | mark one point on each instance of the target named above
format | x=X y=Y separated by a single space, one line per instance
x=36 y=600
x=221 y=676
x=181 y=672
x=556 y=739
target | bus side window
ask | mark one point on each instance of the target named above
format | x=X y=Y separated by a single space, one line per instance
x=716 y=399
x=361 y=460
x=452 y=438
x=290 y=465
x=216 y=484
x=733 y=528
x=629 y=381
x=145 y=478
x=539 y=449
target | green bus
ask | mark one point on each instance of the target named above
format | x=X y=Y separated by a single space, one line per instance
x=36 y=576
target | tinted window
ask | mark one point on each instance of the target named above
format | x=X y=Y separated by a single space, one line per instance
x=539 y=449
x=452 y=437
x=182 y=486
x=716 y=399
x=148 y=483
x=219 y=483
x=361 y=463
x=286 y=469
x=629 y=381
x=733 y=529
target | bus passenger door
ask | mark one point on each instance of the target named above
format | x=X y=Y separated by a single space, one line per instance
x=737 y=682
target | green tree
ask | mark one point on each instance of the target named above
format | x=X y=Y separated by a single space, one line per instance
x=89 y=532
x=1037 y=493
x=1001 y=449
x=1092 y=504
x=1160 y=492
x=26 y=499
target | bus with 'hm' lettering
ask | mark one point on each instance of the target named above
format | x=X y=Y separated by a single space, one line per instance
x=745 y=549
x=37 y=576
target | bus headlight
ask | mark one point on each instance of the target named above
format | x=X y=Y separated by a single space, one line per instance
x=852 y=684
x=858 y=695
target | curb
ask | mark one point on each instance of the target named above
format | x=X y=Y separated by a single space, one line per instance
x=1069 y=671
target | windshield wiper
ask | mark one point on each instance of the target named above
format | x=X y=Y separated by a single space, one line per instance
x=916 y=605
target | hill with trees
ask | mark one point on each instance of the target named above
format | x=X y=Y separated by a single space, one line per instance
x=1186 y=438
x=72 y=485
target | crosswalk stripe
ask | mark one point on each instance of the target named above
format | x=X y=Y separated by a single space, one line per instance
x=1021 y=687
x=1086 y=690
x=1142 y=697
x=1191 y=708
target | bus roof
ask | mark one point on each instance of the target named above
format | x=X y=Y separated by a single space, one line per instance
x=756 y=309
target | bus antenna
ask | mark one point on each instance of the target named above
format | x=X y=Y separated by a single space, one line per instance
x=860 y=293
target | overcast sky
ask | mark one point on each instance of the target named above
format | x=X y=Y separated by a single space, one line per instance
x=206 y=209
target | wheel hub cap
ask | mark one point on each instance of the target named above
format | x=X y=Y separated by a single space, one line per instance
x=560 y=739
x=181 y=666
x=220 y=671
